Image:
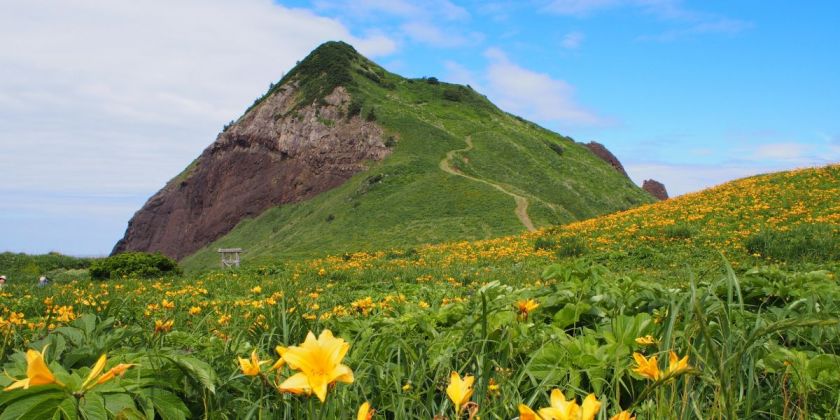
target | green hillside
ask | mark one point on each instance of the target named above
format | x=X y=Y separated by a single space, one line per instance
x=460 y=169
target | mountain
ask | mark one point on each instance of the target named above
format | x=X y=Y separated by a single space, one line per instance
x=342 y=155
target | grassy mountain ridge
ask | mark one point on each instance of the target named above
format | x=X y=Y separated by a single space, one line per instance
x=460 y=168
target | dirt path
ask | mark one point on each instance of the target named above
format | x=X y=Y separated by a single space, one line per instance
x=521 y=202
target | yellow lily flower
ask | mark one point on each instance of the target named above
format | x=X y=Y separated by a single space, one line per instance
x=118 y=370
x=560 y=409
x=525 y=307
x=459 y=390
x=624 y=415
x=319 y=363
x=95 y=371
x=251 y=367
x=647 y=340
x=649 y=368
x=365 y=412
x=676 y=364
x=525 y=413
x=37 y=372
x=280 y=362
x=590 y=407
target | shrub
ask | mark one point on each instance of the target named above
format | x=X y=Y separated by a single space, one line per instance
x=355 y=108
x=432 y=80
x=678 y=231
x=453 y=94
x=545 y=244
x=390 y=142
x=556 y=147
x=808 y=242
x=571 y=246
x=371 y=115
x=134 y=265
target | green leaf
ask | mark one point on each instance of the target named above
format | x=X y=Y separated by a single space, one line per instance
x=199 y=371
x=117 y=403
x=67 y=409
x=44 y=403
x=93 y=406
x=168 y=405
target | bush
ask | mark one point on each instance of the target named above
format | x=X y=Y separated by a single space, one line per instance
x=556 y=147
x=133 y=265
x=432 y=80
x=453 y=94
x=808 y=242
x=678 y=231
x=545 y=244
x=571 y=246
x=371 y=115
x=355 y=108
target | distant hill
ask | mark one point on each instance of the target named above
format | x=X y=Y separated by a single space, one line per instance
x=342 y=155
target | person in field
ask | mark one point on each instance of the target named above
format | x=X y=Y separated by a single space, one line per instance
x=2 y=282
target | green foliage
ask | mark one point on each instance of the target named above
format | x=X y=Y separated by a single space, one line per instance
x=138 y=393
x=133 y=264
x=371 y=115
x=18 y=267
x=453 y=93
x=556 y=147
x=354 y=108
x=324 y=69
x=806 y=242
x=571 y=247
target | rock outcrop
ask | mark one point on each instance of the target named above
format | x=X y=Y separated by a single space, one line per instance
x=276 y=153
x=601 y=151
x=655 y=188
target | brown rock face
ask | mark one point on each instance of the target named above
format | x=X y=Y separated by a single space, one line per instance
x=655 y=188
x=601 y=151
x=273 y=155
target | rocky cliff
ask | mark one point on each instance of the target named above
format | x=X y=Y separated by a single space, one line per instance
x=655 y=188
x=277 y=153
x=602 y=152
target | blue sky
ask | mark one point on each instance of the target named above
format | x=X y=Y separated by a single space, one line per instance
x=102 y=102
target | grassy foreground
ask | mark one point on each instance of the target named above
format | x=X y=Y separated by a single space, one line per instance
x=740 y=279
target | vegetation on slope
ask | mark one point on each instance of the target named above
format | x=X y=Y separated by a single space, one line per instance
x=408 y=199
x=18 y=267
x=518 y=314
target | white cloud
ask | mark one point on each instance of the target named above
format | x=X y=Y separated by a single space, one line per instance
x=533 y=94
x=371 y=9
x=580 y=7
x=781 y=151
x=121 y=79
x=117 y=97
x=572 y=40
x=431 y=34
x=685 y=178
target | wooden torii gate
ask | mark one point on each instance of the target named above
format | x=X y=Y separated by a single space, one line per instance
x=230 y=257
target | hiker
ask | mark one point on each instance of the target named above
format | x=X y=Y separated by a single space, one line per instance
x=2 y=282
x=43 y=281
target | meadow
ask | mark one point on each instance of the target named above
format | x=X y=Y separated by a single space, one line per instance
x=721 y=304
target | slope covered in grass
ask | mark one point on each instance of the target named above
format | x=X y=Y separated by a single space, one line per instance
x=459 y=169
x=524 y=315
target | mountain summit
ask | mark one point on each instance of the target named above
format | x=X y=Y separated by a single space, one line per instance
x=341 y=155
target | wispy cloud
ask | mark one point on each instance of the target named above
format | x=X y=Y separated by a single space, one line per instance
x=430 y=34
x=535 y=95
x=688 y=21
x=572 y=40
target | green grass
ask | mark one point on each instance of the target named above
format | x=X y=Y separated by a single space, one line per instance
x=760 y=332
x=414 y=202
x=19 y=267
